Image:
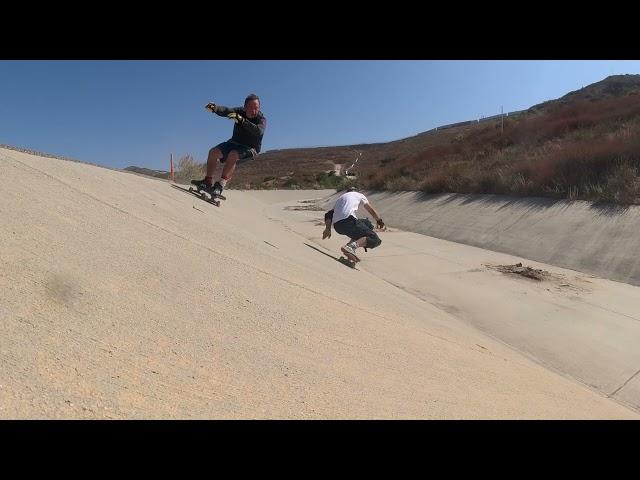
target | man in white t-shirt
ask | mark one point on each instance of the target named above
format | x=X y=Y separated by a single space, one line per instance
x=344 y=220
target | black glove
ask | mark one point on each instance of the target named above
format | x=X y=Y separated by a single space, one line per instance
x=380 y=223
x=211 y=107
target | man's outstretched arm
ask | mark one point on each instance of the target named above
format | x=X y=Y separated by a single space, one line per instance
x=222 y=110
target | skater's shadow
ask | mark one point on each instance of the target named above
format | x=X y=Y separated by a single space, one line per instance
x=328 y=255
x=324 y=253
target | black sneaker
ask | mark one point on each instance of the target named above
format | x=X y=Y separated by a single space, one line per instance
x=201 y=184
x=216 y=189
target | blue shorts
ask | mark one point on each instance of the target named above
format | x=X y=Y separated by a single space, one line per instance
x=244 y=153
x=358 y=228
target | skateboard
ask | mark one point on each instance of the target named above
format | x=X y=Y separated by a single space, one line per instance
x=202 y=195
x=207 y=197
x=347 y=262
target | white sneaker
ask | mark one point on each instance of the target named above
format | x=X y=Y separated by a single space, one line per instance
x=350 y=252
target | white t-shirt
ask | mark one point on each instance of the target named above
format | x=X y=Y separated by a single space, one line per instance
x=347 y=205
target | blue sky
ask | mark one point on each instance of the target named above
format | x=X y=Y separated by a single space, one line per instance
x=121 y=113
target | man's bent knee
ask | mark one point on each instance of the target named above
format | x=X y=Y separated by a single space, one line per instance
x=373 y=240
x=232 y=157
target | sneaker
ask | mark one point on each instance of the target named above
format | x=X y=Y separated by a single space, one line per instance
x=350 y=251
x=216 y=189
x=201 y=184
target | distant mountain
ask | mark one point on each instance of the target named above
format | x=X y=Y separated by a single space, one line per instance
x=612 y=86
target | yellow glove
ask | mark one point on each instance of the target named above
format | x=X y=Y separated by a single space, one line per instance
x=236 y=117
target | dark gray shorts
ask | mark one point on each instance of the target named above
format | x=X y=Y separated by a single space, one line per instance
x=358 y=228
x=244 y=153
